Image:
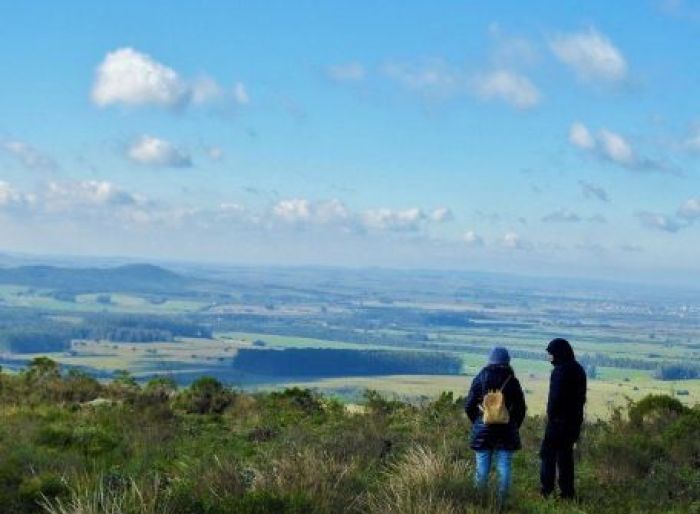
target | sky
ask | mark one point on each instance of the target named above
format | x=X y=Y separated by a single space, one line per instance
x=556 y=137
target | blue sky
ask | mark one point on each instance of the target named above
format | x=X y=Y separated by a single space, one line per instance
x=534 y=137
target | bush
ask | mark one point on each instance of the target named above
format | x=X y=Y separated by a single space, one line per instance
x=206 y=395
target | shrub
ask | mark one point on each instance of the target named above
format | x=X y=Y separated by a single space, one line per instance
x=206 y=395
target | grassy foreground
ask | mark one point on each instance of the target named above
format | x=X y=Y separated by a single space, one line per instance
x=71 y=445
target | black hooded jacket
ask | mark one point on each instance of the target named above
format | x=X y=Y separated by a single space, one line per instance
x=495 y=437
x=567 y=387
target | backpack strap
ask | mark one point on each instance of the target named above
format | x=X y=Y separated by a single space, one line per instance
x=506 y=382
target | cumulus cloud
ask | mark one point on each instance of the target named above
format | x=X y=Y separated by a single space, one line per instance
x=206 y=89
x=690 y=209
x=12 y=199
x=437 y=79
x=562 y=216
x=27 y=155
x=92 y=200
x=581 y=137
x=67 y=195
x=612 y=147
x=347 y=72
x=129 y=77
x=594 y=191
x=133 y=78
x=513 y=241
x=471 y=238
x=153 y=151
x=508 y=86
x=441 y=214
x=106 y=204
x=434 y=78
x=293 y=210
x=591 y=56
x=616 y=148
x=394 y=220
x=658 y=221
x=302 y=212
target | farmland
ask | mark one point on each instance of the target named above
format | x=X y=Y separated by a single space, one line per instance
x=633 y=340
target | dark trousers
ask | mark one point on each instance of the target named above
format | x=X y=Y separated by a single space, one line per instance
x=557 y=454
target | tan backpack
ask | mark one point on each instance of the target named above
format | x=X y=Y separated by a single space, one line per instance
x=494 y=407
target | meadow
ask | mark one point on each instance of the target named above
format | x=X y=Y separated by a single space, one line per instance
x=70 y=444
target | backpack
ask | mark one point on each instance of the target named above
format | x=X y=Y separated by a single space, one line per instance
x=494 y=407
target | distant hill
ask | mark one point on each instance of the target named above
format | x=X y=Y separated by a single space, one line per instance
x=143 y=278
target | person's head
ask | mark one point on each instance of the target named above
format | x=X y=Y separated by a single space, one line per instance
x=499 y=356
x=560 y=351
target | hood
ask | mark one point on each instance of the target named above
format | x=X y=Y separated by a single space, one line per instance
x=561 y=350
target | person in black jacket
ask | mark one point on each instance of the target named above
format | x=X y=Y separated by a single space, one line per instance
x=491 y=441
x=567 y=396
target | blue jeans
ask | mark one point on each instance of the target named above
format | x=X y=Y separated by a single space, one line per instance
x=504 y=459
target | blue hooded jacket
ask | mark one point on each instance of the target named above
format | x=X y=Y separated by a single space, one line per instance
x=496 y=437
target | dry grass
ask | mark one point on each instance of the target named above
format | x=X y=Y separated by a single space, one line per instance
x=424 y=481
x=89 y=498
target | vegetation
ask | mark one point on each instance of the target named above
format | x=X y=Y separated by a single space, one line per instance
x=315 y=362
x=72 y=445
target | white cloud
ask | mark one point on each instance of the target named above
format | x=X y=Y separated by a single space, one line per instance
x=205 y=89
x=594 y=191
x=12 y=199
x=240 y=94
x=508 y=86
x=580 y=136
x=690 y=210
x=658 y=221
x=331 y=211
x=394 y=220
x=133 y=78
x=347 y=72
x=303 y=212
x=87 y=193
x=437 y=79
x=29 y=156
x=616 y=148
x=300 y=211
x=441 y=215
x=513 y=241
x=591 y=55
x=471 y=238
x=434 y=78
x=154 y=151
x=293 y=210
x=612 y=147
x=562 y=216
x=129 y=77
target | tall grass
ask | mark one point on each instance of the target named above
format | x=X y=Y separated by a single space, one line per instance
x=424 y=481
x=101 y=498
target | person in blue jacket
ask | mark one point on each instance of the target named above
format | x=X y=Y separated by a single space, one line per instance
x=493 y=442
